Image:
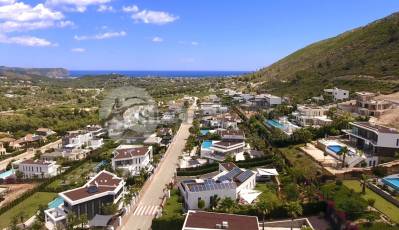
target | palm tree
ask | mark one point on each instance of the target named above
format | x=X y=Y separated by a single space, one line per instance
x=213 y=201
x=227 y=205
x=364 y=181
x=21 y=216
x=344 y=150
x=264 y=207
x=72 y=220
x=294 y=209
x=83 y=220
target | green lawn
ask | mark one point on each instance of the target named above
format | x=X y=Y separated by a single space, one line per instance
x=29 y=207
x=380 y=203
x=75 y=178
x=268 y=191
x=299 y=159
x=172 y=207
x=172 y=218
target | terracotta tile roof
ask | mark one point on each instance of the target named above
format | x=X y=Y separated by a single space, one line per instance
x=81 y=193
x=230 y=132
x=102 y=182
x=130 y=152
x=209 y=220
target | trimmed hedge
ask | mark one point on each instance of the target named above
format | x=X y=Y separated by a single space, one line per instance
x=208 y=168
x=170 y=224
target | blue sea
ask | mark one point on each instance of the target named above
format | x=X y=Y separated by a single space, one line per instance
x=143 y=73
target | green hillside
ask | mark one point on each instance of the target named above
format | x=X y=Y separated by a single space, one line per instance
x=357 y=59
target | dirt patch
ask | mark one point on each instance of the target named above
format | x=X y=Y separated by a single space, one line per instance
x=389 y=118
x=15 y=191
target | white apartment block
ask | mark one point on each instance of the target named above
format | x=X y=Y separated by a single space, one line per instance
x=38 y=168
x=132 y=158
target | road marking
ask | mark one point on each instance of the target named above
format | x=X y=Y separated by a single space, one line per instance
x=146 y=210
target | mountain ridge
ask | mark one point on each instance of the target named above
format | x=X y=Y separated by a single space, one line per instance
x=28 y=73
x=370 y=50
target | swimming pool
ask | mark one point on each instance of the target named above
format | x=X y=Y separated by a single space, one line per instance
x=6 y=174
x=335 y=148
x=56 y=202
x=275 y=123
x=206 y=144
x=204 y=132
x=392 y=182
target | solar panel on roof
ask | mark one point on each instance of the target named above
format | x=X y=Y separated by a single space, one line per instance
x=244 y=176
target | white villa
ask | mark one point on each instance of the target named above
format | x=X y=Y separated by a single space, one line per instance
x=310 y=115
x=374 y=140
x=219 y=150
x=81 y=139
x=104 y=188
x=229 y=183
x=210 y=108
x=337 y=94
x=38 y=168
x=132 y=158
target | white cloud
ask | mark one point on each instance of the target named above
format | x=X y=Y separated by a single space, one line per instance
x=193 y=43
x=79 y=5
x=130 y=9
x=154 y=17
x=26 y=41
x=101 y=36
x=78 y=50
x=6 y=2
x=157 y=39
x=63 y=24
x=11 y=26
x=22 y=12
x=105 y=8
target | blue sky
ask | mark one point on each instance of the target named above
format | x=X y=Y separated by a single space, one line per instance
x=172 y=34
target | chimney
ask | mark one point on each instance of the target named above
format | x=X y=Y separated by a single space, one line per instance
x=218 y=226
x=225 y=225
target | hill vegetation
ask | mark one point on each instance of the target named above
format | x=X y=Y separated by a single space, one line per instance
x=354 y=60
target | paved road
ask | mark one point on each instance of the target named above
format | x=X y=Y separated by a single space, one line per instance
x=141 y=217
x=29 y=154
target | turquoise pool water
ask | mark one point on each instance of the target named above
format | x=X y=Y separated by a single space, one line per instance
x=6 y=174
x=56 y=202
x=204 y=132
x=206 y=144
x=335 y=148
x=391 y=182
x=275 y=123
